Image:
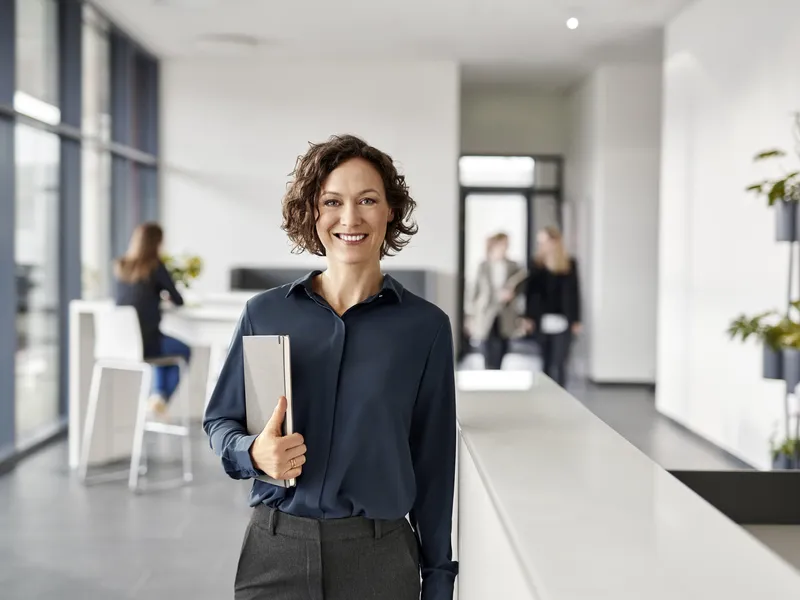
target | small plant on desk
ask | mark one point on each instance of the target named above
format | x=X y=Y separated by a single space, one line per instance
x=183 y=270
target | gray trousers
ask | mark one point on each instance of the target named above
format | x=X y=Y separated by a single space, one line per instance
x=285 y=557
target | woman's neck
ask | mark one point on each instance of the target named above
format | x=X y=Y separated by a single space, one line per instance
x=344 y=286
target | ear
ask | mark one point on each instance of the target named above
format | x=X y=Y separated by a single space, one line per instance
x=391 y=216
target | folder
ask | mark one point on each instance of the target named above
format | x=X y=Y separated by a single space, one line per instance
x=267 y=377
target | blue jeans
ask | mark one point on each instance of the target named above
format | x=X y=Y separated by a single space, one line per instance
x=165 y=379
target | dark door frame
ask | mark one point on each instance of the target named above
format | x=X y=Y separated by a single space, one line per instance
x=530 y=193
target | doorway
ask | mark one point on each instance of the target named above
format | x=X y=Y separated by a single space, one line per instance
x=515 y=195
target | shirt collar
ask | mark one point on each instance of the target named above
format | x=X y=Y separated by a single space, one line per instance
x=390 y=285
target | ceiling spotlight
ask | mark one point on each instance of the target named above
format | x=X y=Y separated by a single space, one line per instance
x=572 y=23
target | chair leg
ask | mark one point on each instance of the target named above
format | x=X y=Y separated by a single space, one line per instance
x=187 y=423
x=138 y=436
x=89 y=421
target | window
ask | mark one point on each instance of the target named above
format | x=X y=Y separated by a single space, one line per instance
x=37 y=276
x=37 y=60
x=96 y=121
x=496 y=171
x=96 y=159
x=79 y=120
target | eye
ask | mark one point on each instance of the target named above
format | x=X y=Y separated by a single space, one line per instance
x=330 y=202
x=369 y=201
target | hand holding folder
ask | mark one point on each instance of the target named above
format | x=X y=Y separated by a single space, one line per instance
x=277 y=451
x=280 y=456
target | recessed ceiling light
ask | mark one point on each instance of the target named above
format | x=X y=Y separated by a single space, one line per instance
x=227 y=44
x=572 y=23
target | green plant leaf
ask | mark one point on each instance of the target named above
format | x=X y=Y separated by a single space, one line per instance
x=777 y=192
x=775 y=153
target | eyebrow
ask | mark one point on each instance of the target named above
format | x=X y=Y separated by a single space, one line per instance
x=374 y=191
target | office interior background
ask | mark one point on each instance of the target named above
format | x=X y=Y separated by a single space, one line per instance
x=633 y=132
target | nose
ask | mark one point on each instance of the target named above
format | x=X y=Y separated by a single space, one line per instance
x=350 y=214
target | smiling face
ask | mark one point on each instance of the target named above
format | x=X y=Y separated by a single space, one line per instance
x=353 y=213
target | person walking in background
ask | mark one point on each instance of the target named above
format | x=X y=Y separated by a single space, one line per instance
x=553 y=304
x=494 y=318
x=141 y=278
x=373 y=385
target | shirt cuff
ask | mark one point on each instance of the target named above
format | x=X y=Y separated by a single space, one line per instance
x=437 y=584
x=241 y=455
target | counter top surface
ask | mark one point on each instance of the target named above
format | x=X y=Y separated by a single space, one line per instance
x=591 y=517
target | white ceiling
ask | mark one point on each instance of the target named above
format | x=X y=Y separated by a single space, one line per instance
x=497 y=41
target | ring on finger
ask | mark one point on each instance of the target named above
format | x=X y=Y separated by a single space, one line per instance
x=291 y=462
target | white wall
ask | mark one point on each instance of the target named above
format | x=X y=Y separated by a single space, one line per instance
x=512 y=120
x=232 y=130
x=612 y=194
x=582 y=185
x=731 y=82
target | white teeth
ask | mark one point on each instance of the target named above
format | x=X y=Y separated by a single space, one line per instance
x=352 y=238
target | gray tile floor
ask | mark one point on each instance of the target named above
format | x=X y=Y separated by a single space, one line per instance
x=63 y=541
x=60 y=540
x=783 y=540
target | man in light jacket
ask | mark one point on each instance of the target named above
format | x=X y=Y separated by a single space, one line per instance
x=494 y=319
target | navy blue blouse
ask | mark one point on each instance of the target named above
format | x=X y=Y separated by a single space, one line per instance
x=373 y=396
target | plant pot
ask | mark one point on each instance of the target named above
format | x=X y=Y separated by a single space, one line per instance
x=772 y=363
x=786 y=221
x=791 y=368
x=782 y=461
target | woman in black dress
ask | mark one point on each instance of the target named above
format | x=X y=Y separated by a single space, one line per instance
x=553 y=303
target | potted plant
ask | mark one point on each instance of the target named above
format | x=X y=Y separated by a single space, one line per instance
x=782 y=191
x=183 y=269
x=770 y=334
x=786 y=455
x=780 y=337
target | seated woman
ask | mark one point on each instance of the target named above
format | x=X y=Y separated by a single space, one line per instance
x=141 y=278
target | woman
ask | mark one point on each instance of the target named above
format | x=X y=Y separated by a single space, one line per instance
x=141 y=278
x=373 y=402
x=553 y=303
x=494 y=319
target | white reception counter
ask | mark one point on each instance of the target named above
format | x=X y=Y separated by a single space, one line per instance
x=555 y=505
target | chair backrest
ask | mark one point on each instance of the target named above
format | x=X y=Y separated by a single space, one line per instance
x=117 y=335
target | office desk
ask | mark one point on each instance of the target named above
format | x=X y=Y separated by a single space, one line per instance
x=207 y=328
x=555 y=505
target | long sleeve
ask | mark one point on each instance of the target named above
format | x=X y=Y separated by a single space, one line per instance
x=225 y=417
x=475 y=293
x=517 y=279
x=164 y=280
x=575 y=292
x=433 y=450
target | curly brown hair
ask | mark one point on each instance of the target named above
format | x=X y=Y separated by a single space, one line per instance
x=300 y=211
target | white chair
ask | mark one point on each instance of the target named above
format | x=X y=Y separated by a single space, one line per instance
x=118 y=346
